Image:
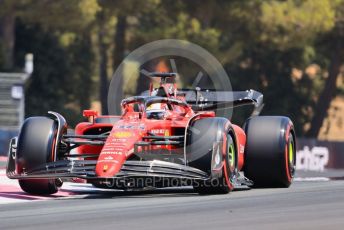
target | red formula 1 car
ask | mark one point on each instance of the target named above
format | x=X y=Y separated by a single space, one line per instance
x=165 y=138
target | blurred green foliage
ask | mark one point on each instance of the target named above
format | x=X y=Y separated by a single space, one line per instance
x=263 y=45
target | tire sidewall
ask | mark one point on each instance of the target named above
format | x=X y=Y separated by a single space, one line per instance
x=213 y=130
x=36 y=145
x=266 y=151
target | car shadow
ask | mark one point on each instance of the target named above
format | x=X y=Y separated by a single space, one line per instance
x=153 y=193
x=111 y=193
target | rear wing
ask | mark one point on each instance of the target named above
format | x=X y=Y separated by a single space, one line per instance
x=211 y=99
x=204 y=99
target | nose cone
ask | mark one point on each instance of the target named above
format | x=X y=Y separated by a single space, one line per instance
x=109 y=165
x=116 y=149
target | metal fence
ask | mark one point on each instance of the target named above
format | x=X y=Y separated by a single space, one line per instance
x=12 y=100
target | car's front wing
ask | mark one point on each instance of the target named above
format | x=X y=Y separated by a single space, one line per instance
x=85 y=169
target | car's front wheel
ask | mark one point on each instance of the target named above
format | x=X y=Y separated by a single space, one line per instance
x=35 y=148
x=211 y=148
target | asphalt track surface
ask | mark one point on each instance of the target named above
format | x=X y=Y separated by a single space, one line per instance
x=317 y=204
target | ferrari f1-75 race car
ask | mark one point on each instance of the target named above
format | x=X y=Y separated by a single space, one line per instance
x=164 y=138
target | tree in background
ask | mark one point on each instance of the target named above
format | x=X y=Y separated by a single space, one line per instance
x=332 y=44
x=63 y=55
x=270 y=46
x=263 y=44
x=8 y=13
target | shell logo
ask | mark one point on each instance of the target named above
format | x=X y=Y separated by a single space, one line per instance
x=122 y=134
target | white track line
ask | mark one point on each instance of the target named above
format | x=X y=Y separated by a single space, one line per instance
x=10 y=191
x=311 y=179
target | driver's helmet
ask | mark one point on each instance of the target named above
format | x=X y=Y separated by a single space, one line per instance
x=156 y=111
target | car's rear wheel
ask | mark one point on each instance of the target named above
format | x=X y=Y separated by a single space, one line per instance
x=270 y=154
x=35 y=147
x=211 y=148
